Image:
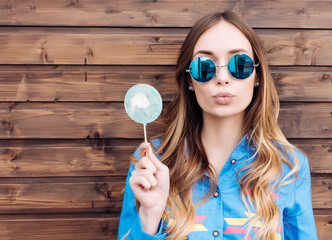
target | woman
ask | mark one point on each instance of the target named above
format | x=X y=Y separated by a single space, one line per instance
x=223 y=169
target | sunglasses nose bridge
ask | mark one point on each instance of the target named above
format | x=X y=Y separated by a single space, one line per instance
x=221 y=74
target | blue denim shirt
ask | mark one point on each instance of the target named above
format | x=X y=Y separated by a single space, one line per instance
x=225 y=216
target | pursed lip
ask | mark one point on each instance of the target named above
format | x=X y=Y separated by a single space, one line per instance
x=223 y=95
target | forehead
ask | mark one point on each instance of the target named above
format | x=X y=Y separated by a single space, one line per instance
x=222 y=38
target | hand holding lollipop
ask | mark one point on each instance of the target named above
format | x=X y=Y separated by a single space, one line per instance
x=150 y=179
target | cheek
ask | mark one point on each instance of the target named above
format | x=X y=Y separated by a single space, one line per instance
x=247 y=92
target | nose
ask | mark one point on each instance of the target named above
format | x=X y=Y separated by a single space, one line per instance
x=222 y=76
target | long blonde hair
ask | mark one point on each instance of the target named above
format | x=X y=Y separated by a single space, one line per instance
x=183 y=124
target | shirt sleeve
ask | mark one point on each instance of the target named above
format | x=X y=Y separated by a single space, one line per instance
x=130 y=227
x=299 y=220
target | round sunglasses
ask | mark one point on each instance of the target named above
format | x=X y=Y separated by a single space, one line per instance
x=203 y=69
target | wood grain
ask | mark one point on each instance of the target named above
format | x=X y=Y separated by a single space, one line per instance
x=146 y=46
x=93 y=157
x=87 y=228
x=96 y=196
x=105 y=157
x=65 y=67
x=324 y=226
x=66 y=228
x=319 y=153
x=109 y=120
x=64 y=197
x=163 y=13
x=110 y=83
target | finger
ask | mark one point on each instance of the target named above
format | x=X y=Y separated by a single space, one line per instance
x=145 y=163
x=143 y=148
x=148 y=175
x=139 y=182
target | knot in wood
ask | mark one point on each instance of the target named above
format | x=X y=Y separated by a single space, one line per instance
x=12 y=106
x=324 y=129
x=106 y=228
x=300 y=11
x=43 y=53
x=103 y=188
x=73 y=3
x=7 y=125
x=89 y=52
x=157 y=77
x=7 y=7
x=93 y=134
x=95 y=141
x=112 y=11
x=10 y=155
x=326 y=76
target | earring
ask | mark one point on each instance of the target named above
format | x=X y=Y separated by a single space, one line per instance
x=256 y=84
x=191 y=88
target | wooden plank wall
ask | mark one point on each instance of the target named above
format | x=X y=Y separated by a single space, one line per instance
x=65 y=66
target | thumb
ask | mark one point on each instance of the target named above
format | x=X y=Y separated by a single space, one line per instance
x=143 y=149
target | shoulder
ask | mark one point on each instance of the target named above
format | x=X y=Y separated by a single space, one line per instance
x=292 y=154
x=298 y=160
x=300 y=157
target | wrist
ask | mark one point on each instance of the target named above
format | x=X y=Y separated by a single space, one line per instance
x=150 y=220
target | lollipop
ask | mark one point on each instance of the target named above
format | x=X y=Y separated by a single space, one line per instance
x=143 y=104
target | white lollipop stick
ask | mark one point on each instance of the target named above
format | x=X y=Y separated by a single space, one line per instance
x=145 y=135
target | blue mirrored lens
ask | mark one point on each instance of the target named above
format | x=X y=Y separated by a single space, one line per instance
x=202 y=69
x=240 y=66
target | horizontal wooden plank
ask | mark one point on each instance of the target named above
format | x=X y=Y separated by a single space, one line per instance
x=93 y=228
x=66 y=197
x=164 y=13
x=95 y=157
x=319 y=153
x=104 y=157
x=301 y=120
x=307 y=85
x=109 y=120
x=324 y=226
x=98 y=197
x=55 y=229
x=143 y=46
x=321 y=191
x=99 y=83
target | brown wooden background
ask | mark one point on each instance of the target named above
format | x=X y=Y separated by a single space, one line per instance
x=65 y=66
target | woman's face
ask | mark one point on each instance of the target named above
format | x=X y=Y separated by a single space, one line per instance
x=223 y=96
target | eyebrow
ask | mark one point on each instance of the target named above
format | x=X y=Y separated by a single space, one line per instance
x=207 y=52
x=203 y=52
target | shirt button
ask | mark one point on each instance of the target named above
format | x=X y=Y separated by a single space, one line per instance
x=215 y=233
x=233 y=161
x=216 y=194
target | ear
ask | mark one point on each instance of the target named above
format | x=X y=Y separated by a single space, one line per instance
x=191 y=86
x=257 y=80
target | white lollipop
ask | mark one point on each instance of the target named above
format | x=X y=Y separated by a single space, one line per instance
x=143 y=104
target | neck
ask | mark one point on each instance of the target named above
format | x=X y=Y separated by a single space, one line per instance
x=222 y=131
x=220 y=136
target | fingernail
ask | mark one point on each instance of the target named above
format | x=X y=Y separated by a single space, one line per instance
x=145 y=145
